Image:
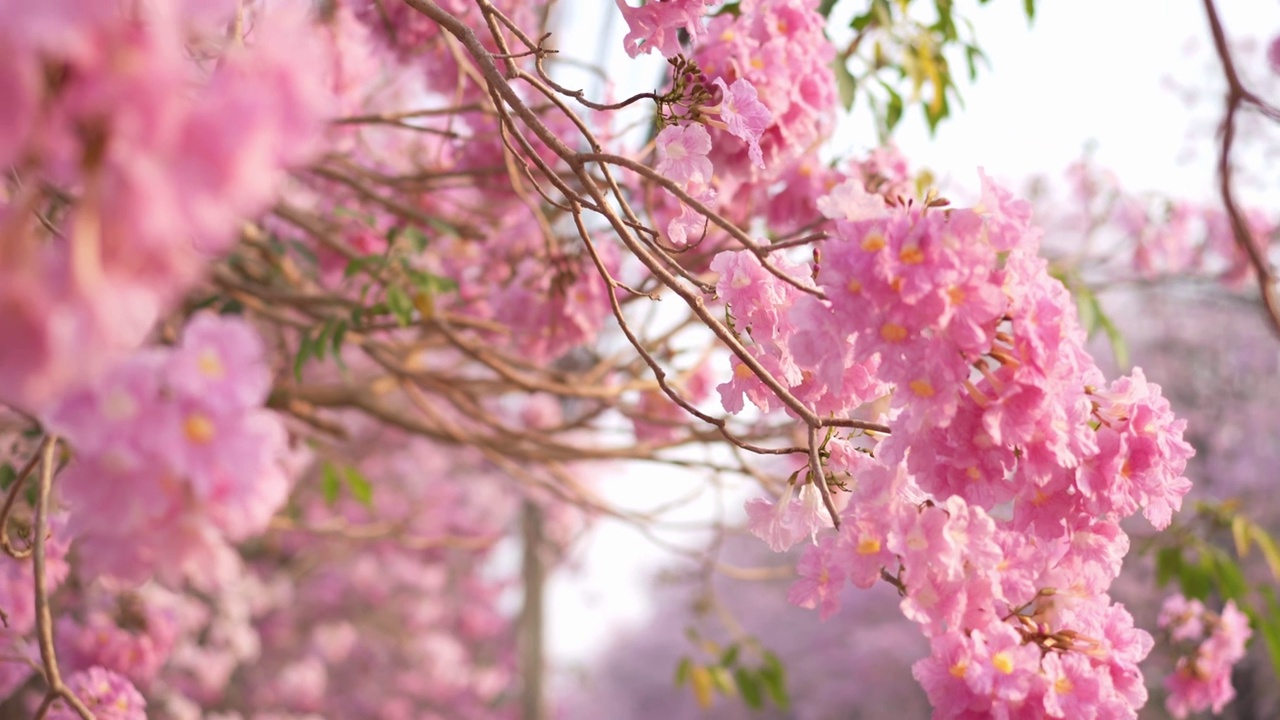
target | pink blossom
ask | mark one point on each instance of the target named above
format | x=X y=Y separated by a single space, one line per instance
x=850 y=201
x=682 y=155
x=1212 y=644
x=222 y=361
x=796 y=515
x=655 y=23
x=821 y=580
x=744 y=115
x=107 y=695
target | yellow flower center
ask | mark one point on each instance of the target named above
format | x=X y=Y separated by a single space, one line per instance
x=211 y=365
x=922 y=388
x=198 y=428
x=1003 y=662
x=892 y=332
x=911 y=255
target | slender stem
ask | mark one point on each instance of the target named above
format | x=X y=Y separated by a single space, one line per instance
x=44 y=617
x=1237 y=94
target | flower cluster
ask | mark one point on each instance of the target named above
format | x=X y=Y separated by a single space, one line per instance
x=655 y=25
x=129 y=178
x=107 y=695
x=994 y=504
x=1210 y=644
x=779 y=47
x=175 y=455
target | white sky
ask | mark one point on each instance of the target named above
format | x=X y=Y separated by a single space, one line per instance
x=1086 y=70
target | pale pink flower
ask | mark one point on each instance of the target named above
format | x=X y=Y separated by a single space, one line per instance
x=821 y=580
x=850 y=201
x=107 y=695
x=744 y=115
x=682 y=154
x=654 y=24
x=1202 y=678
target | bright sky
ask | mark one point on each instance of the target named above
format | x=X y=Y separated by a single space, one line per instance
x=1087 y=70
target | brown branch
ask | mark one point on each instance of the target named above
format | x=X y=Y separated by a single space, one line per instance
x=7 y=511
x=1237 y=95
x=44 y=617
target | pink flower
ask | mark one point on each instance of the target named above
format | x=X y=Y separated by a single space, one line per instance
x=222 y=361
x=850 y=201
x=107 y=695
x=654 y=24
x=682 y=154
x=744 y=115
x=1202 y=678
x=790 y=520
x=821 y=579
x=1273 y=55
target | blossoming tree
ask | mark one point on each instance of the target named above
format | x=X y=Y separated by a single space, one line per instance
x=306 y=305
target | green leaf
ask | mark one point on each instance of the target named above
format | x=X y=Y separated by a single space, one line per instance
x=824 y=7
x=305 y=348
x=321 y=342
x=722 y=680
x=330 y=485
x=749 y=687
x=1119 y=348
x=1086 y=308
x=1240 y=535
x=846 y=84
x=940 y=108
x=682 y=671
x=339 y=334
x=1268 y=547
x=1030 y=7
x=431 y=284
x=1094 y=318
x=729 y=656
x=774 y=677
x=1168 y=564
x=1231 y=582
x=400 y=305
x=946 y=26
x=893 y=113
x=1196 y=579
x=355 y=266
x=1268 y=625
x=7 y=476
x=360 y=487
x=733 y=8
x=417 y=238
x=971 y=57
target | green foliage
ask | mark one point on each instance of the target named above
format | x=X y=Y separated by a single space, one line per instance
x=1204 y=569
x=333 y=480
x=727 y=674
x=903 y=52
x=407 y=294
x=1093 y=318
